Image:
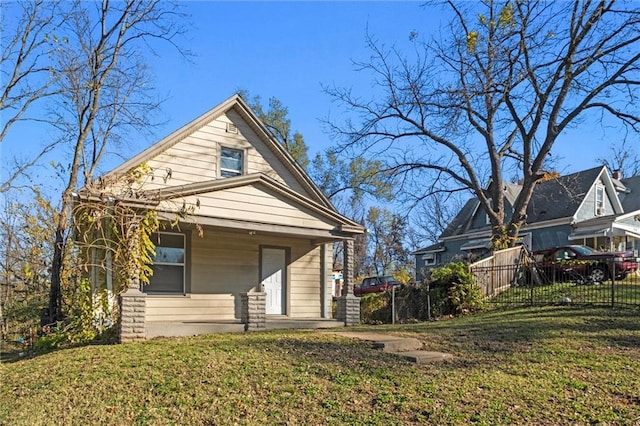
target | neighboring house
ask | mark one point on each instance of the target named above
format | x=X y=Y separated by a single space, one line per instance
x=590 y=207
x=264 y=256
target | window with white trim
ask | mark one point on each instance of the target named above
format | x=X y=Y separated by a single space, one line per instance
x=599 y=200
x=231 y=162
x=429 y=258
x=168 y=264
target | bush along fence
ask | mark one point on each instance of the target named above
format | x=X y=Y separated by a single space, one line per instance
x=450 y=291
x=509 y=277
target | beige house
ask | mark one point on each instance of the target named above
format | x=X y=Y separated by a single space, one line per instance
x=255 y=249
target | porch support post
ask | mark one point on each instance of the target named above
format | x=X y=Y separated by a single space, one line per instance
x=133 y=307
x=325 y=288
x=348 y=304
x=253 y=310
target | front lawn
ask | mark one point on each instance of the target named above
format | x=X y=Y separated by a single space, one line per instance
x=556 y=365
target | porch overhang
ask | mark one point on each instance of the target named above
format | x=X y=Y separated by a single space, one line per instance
x=254 y=228
x=615 y=230
x=481 y=243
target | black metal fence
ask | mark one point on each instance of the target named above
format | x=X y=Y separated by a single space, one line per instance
x=528 y=285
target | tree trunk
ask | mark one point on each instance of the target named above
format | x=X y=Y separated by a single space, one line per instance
x=55 y=292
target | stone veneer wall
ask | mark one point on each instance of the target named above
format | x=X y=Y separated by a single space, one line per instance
x=348 y=304
x=132 y=316
x=253 y=310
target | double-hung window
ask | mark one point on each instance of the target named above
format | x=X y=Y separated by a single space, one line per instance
x=231 y=162
x=168 y=264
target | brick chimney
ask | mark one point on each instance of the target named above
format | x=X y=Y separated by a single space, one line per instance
x=617 y=174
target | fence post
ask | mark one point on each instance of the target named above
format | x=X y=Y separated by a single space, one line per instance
x=428 y=301
x=393 y=304
x=613 y=284
x=531 y=281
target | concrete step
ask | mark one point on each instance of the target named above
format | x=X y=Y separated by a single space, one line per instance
x=408 y=348
x=421 y=357
x=403 y=344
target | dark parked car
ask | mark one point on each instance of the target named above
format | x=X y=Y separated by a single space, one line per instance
x=375 y=285
x=575 y=262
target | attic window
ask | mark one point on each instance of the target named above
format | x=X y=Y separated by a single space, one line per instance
x=487 y=219
x=232 y=128
x=231 y=162
x=599 y=200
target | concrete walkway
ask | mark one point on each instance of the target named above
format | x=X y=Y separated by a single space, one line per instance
x=406 y=347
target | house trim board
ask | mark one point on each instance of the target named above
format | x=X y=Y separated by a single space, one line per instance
x=486 y=232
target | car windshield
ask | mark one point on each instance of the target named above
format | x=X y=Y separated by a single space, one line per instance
x=583 y=250
x=389 y=280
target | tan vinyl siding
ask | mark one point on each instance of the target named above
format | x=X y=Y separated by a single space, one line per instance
x=195 y=158
x=213 y=307
x=252 y=203
x=225 y=264
x=305 y=283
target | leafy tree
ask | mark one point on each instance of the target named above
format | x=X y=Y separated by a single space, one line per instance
x=495 y=93
x=277 y=120
x=25 y=258
x=347 y=182
x=386 y=238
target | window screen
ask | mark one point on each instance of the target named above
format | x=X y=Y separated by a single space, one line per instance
x=168 y=264
x=230 y=162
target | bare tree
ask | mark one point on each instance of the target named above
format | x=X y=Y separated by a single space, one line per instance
x=433 y=216
x=105 y=94
x=623 y=158
x=496 y=92
x=24 y=70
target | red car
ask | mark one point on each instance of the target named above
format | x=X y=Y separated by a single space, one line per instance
x=571 y=262
x=376 y=285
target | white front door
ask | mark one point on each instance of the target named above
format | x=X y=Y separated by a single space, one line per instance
x=273 y=277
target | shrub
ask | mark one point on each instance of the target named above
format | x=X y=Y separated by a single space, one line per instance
x=375 y=308
x=453 y=290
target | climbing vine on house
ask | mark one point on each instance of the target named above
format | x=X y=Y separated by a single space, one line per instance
x=112 y=249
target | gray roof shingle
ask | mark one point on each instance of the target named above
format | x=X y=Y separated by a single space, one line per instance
x=552 y=199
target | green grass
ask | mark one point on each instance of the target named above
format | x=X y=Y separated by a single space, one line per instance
x=625 y=292
x=548 y=366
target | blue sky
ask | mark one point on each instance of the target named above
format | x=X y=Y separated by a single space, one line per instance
x=288 y=50
x=282 y=49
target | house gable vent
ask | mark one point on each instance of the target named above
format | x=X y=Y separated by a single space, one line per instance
x=232 y=128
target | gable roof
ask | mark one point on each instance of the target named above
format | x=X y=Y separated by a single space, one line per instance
x=631 y=198
x=457 y=225
x=552 y=199
x=433 y=248
x=238 y=104
x=561 y=197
